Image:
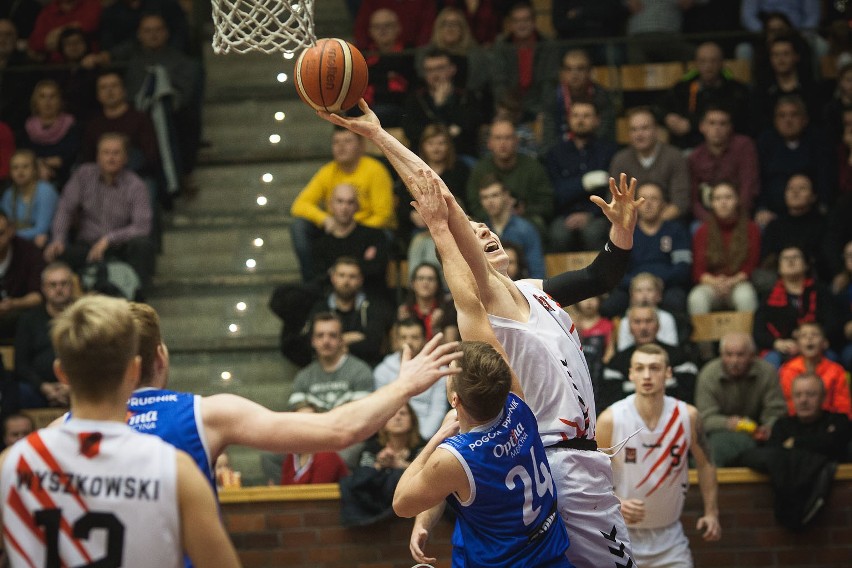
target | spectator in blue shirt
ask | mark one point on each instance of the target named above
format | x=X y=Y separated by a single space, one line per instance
x=663 y=248
x=29 y=202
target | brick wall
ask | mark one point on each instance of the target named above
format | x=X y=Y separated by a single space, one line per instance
x=299 y=526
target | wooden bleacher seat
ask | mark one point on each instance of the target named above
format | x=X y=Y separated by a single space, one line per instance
x=7 y=352
x=650 y=76
x=397 y=274
x=712 y=326
x=740 y=69
x=42 y=417
x=559 y=262
x=606 y=76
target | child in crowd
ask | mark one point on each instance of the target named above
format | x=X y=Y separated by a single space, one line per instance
x=321 y=467
x=646 y=289
x=812 y=344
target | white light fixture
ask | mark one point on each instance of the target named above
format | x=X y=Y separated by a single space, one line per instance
x=258 y=242
x=261 y=200
x=289 y=55
x=267 y=177
x=226 y=375
x=241 y=306
x=233 y=328
x=251 y=263
x=282 y=77
x=274 y=138
x=279 y=116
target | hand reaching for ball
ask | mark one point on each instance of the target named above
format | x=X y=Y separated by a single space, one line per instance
x=367 y=125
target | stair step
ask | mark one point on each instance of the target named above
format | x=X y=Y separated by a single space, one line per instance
x=236 y=188
x=240 y=131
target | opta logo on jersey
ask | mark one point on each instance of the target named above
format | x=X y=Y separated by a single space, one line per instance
x=144 y=421
x=516 y=439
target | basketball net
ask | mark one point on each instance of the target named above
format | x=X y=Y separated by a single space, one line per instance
x=268 y=26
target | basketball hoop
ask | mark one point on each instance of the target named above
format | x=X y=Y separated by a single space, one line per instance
x=268 y=26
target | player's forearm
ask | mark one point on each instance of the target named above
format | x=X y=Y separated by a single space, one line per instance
x=460 y=280
x=360 y=419
x=430 y=517
x=709 y=487
x=404 y=496
x=404 y=161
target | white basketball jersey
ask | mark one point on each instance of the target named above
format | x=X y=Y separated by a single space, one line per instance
x=653 y=465
x=546 y=354
x=91 y=492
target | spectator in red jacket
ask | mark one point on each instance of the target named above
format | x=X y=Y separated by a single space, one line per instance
x=58 y=15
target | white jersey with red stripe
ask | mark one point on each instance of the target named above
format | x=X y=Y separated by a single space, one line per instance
x=546 y=354
x=653 y=464
x=91 y=492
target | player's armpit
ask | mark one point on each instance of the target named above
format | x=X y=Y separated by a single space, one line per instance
x=439 y=477
x=203 y=537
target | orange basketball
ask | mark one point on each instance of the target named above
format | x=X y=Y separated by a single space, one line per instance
x=331 y=75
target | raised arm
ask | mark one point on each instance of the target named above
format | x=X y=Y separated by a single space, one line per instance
x=610 y=265
x=709 y=522
x=231 y=419
x=409 y=165
x=472 y=318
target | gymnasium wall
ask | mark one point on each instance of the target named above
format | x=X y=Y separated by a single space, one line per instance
x=299 y=526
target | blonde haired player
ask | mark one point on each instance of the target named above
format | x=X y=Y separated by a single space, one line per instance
x=651 y=472
x=92 y=491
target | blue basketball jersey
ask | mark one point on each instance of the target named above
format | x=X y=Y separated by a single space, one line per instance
x=510 y=518
x=174 y=417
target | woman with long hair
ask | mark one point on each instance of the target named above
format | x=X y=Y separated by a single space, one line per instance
x=425 y=299
x=452 y=33
x=29 y=202
x=725 y=251
x=51 y=133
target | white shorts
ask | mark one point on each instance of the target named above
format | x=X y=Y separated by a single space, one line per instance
x=663 y=547
x=590 y=509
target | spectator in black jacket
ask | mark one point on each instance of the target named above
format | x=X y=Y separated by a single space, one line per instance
x=802 y=453
x=34 y=353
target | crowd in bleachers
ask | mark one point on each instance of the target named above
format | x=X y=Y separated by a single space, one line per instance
x=746 y=183
x=100 y=122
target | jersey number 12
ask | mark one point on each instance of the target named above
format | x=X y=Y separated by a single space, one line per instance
x=51 y=519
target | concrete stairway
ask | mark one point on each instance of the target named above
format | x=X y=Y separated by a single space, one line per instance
x=225 y=250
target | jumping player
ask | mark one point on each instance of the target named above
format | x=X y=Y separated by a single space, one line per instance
x=92 y=492
x=494 y=473
x=650 y=473
x=544 y=349
x=205 y=426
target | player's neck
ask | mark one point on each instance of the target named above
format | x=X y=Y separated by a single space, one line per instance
x=650 y=408
x=101 y=411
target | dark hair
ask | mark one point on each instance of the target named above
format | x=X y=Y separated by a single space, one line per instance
x=414 y=440
x=325 y=316
x=484 y=381
x=716 y=107
x=348 y=260
x=412 y=322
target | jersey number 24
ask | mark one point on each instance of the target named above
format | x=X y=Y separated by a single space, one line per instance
x=543 y=485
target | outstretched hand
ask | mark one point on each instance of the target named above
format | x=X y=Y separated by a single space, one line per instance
x=367 y=125
x=432 y=363
x=429 y=201
x=622 y=211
